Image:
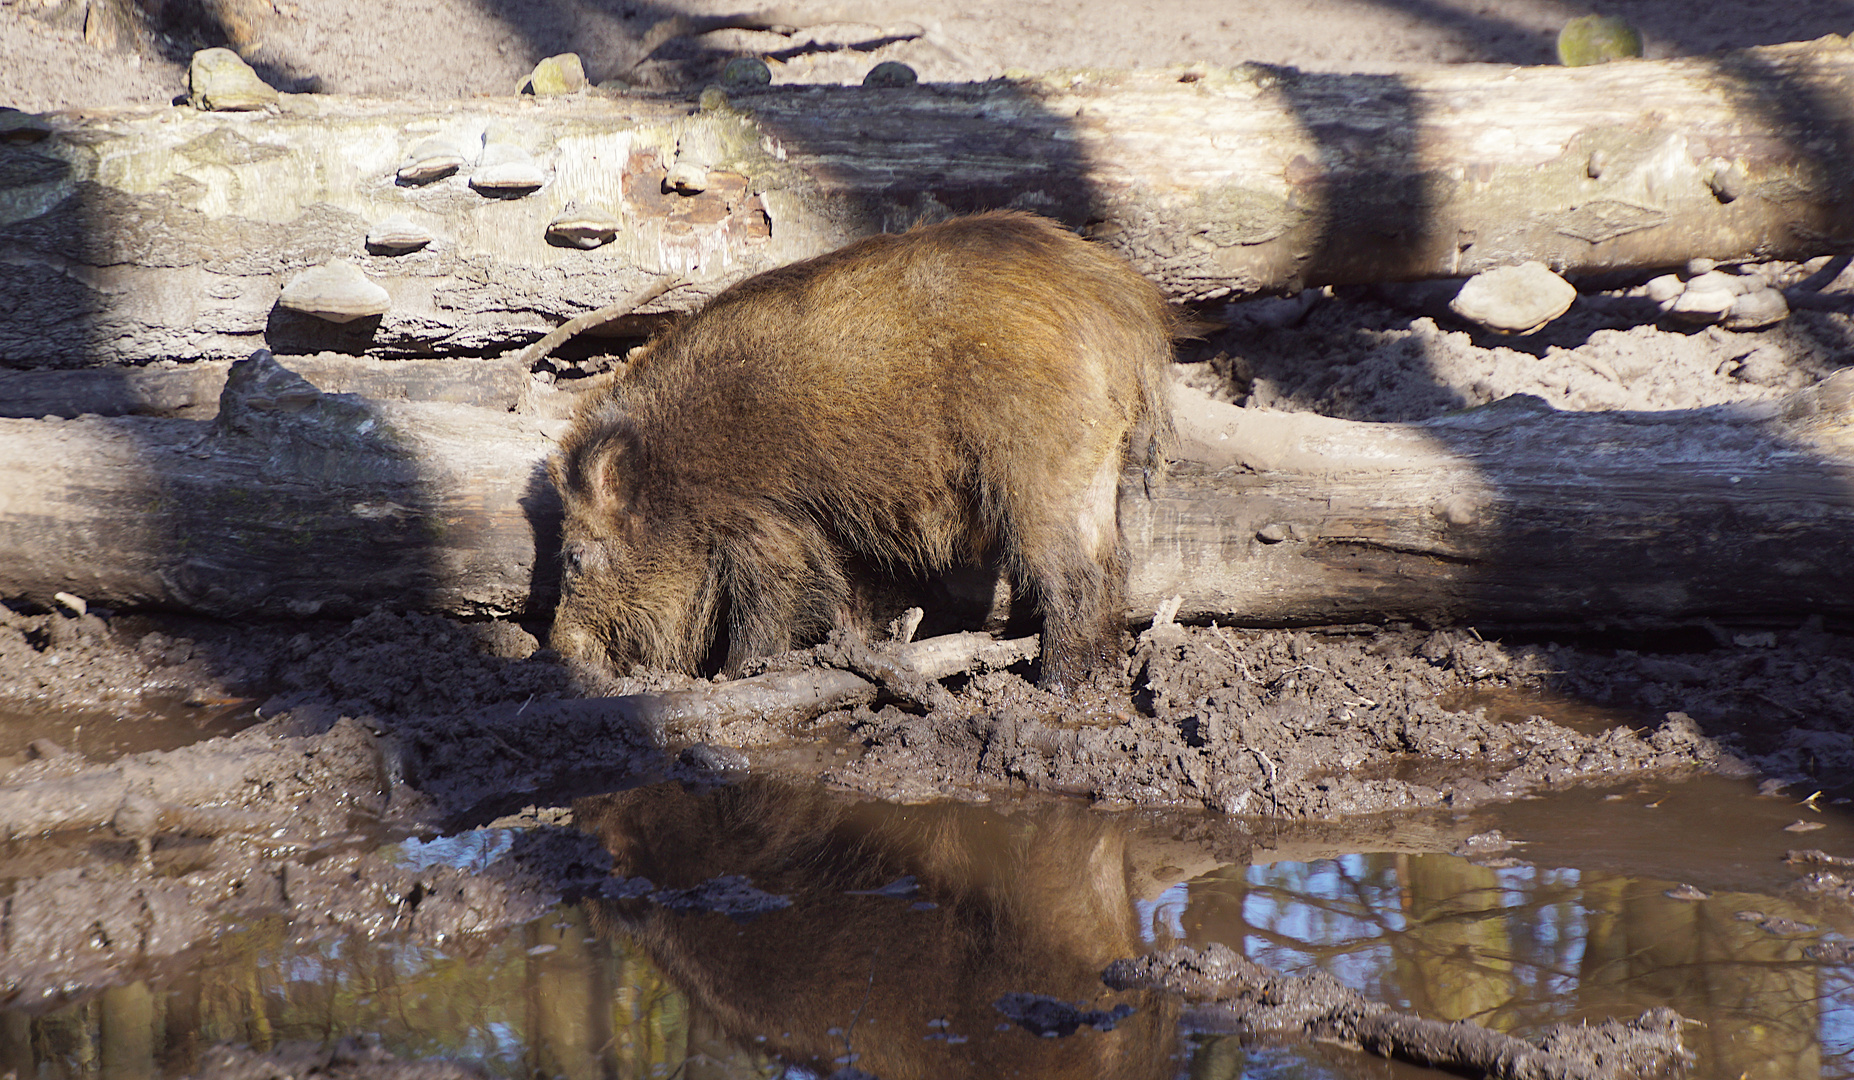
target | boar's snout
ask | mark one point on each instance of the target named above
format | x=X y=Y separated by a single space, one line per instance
x=574 y=643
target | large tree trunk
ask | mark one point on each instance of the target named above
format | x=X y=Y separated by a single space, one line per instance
x=296 y=503
x=143 y=234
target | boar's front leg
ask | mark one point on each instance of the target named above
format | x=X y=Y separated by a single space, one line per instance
x=784 y=583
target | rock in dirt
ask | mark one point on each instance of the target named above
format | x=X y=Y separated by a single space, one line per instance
x=1597 y=39
x=1514 y=299
x=746 y=73
x=219 y=80
x=557 y=75
x=890 y=74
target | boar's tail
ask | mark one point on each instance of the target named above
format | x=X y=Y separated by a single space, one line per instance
x=1153 y=437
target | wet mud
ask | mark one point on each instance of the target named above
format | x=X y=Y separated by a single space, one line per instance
x=403 y=725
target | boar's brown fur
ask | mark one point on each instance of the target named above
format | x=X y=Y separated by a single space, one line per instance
x=914 y=402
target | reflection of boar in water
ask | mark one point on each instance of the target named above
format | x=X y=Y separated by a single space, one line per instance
x=903 y=975
x=913 y=403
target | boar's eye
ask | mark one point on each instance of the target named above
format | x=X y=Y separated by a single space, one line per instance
x=579 y=556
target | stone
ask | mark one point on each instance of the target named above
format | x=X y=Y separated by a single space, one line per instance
x=1757 y=309
x=1597 y=39
x=557 y=75
x=397 y=235
x=1736 y=284
x=890 y=74
x=219 y=80
x=1514 y=299
x=686 y=178
x=745 y=73
x=1763 y=367
x=582 y=227
x=336 y=292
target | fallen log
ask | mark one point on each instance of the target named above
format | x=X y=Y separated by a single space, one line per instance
x=1231 y=995
x=293 y=502
x=144 y=234
x=191 y=391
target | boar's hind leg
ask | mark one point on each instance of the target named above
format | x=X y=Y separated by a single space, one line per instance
x=1081 y=601
x=1068 y=551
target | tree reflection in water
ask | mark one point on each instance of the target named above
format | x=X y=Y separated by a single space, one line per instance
x=1520 y=948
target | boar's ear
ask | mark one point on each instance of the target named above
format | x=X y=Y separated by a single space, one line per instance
x=594 y=467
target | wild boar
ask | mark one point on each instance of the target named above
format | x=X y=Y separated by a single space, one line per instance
x=910 y=403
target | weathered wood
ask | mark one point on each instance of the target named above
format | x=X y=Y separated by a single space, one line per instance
x=164 y=233
x=296 y=503
x=1513 y=514
x=284 y=504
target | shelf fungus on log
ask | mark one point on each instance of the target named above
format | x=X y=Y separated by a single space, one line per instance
x=336 y=291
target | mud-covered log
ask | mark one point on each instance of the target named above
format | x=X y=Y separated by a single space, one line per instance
x=144 y=234
x=1232 y=995
x=292 y=502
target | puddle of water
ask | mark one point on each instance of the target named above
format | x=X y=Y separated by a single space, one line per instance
x=547 y=999
x=906 y=923
x=154 y=723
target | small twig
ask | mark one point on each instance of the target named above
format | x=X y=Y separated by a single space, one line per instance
x=850 y=652
x=1273 y=778
x=559 y=335
x=849 y=1033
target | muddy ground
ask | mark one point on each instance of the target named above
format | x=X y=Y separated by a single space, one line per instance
x=402 y=723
